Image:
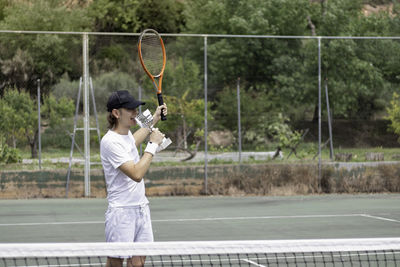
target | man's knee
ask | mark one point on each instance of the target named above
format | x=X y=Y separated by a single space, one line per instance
x=114 y=262
x=136 y=261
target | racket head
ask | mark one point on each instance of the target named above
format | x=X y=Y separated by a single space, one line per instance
x=152 y=54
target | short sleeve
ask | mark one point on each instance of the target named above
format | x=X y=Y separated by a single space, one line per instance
x=116 y=154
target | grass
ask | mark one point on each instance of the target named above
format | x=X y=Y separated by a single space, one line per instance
x=359 y=153
x=305 y=154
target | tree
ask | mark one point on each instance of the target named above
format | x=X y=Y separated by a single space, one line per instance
x=103 y=85
x=11 y=123
x=272 y=71
x=3 y=5
x=166 y=16
x=119 y=53
x=187 y=120
x=19 y=116
x=44 y=57
x=17 y=70
x=258 y=112
x=249 y=59
x=357 y=71
x=54 y=110
x=183 y=94
x=7 y=154
x=269 y=69
x=281 y=132
x=361 y=74
x=394 y=114
x=182 y=75
x=135 y=16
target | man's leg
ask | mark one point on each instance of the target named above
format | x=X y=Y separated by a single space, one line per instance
x=137 y=261
x=114 y=262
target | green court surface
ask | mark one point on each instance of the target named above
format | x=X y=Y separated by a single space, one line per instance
x=209 y=218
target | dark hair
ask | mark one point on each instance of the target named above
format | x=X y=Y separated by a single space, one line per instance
x=112 y=121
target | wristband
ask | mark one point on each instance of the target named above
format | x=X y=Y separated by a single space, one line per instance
x=151 y=148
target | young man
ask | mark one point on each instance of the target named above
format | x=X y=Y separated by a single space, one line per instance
x=128 y=214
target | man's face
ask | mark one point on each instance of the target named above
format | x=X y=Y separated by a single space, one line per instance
x=127 y=117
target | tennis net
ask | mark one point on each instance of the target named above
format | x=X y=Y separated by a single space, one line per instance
x=315 y=252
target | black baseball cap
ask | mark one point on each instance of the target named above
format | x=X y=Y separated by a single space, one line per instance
x=122 y=99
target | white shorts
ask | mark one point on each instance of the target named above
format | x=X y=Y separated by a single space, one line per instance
x=129 y=224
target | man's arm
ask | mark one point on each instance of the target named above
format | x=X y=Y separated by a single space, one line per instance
x=137 y=171
x=140 y=135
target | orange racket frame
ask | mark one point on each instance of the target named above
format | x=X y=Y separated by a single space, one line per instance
x=158 y=86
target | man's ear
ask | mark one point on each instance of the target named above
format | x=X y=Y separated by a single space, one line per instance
x=115 y=113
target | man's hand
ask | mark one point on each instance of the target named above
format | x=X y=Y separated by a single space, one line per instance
x=156 y=136
x=157 y=114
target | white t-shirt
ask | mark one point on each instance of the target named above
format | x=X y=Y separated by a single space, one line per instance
x=122 y=191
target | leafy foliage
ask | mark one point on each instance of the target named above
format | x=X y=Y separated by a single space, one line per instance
x=187 y=118
x=39 y=56
x=8 y=154
x=361 y=74
x=135 y=15
x=19 y=116
x=18 y=119
x=54 y=110
x=280 y=130
x=278 y=76
x=394 y=114
x=182 y=75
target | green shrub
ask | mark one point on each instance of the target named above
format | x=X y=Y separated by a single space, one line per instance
x=394 y=114
x=57 y=136
x=103 y=86
x=9 y=154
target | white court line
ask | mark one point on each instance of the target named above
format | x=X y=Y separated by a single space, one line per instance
x=260 y=217
x=49 y=223
x=214 y=219
x=380 y=218
x=61 y=265
x=253 y=263
x=198 y=219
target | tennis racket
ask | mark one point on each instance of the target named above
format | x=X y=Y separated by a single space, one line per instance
x=152 y=57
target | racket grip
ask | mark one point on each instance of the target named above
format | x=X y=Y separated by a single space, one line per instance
x=161 y=102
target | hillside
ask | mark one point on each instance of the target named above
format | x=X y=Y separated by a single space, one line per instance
x=373 y=9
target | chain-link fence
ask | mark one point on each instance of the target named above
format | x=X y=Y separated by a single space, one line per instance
x=286 y=87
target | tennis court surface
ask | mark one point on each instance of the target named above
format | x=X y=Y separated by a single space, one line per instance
x=231 y=221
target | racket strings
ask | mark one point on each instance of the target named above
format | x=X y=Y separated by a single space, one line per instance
x=152 y=54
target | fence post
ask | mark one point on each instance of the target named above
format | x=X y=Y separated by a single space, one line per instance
x=239 y=120
x=39 y=123
x=329 y=120
x=86 y=125
x=205 y=117
x=140 y=111
x=319 y=112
